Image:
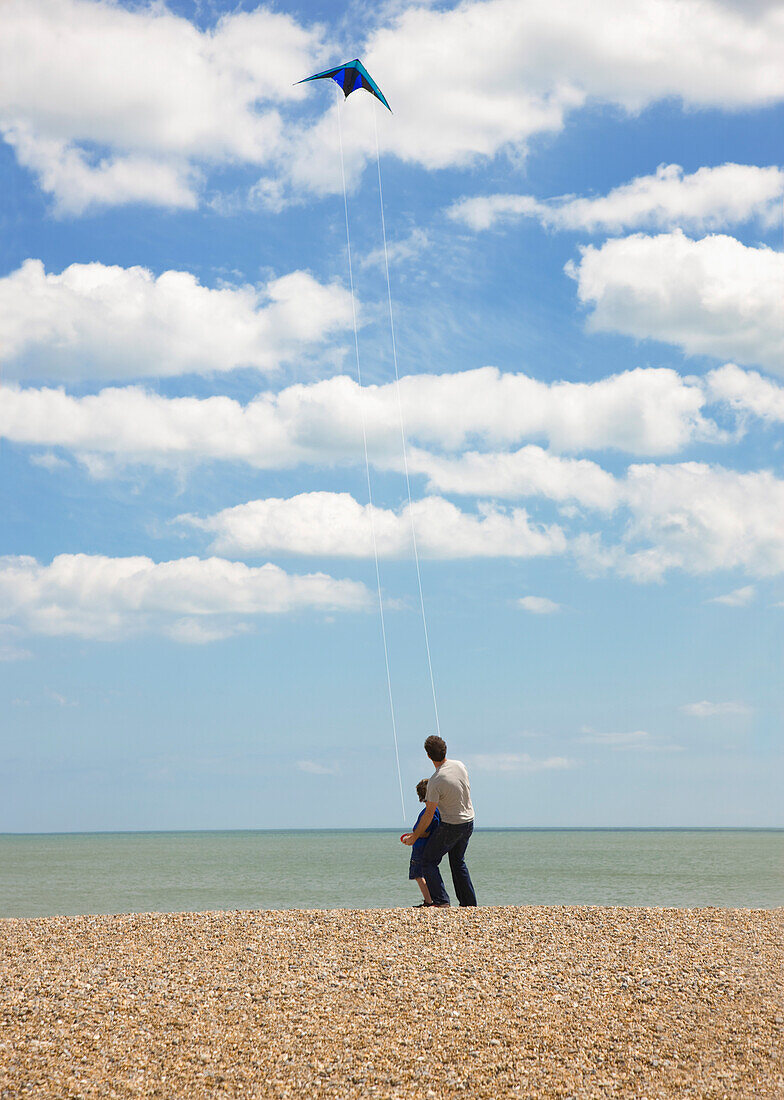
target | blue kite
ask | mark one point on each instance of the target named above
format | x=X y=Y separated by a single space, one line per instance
x=351 y=76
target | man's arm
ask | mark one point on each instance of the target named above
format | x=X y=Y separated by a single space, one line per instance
x=424 y=824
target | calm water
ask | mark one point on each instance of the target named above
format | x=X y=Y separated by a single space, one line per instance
x=44 y=875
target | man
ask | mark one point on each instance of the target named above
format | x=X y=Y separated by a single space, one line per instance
x=449 y=791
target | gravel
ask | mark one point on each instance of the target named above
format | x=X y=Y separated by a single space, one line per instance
x=491 y=1002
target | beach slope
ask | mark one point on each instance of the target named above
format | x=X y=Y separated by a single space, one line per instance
x=492 y=1002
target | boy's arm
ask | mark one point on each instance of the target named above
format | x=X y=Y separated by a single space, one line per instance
x=424 y=823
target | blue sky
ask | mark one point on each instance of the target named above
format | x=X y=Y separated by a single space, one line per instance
x=584 y=219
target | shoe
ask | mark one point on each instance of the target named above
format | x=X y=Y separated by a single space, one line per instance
x=441 y=905
x=423 y=905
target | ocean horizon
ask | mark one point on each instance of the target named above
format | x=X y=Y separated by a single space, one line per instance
x=50 y=874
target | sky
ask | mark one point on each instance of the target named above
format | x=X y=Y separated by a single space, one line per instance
x=583 y=214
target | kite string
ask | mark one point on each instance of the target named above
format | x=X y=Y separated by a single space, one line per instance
x=367 y=465
x=402 y=426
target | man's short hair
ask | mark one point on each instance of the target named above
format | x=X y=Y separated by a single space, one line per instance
x=422 y=790
x=435 y=747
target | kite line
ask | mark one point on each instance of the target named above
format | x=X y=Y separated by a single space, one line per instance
x=367 y=467
x=402 y=426
x=349 y=77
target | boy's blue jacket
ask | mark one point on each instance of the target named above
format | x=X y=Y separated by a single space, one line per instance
x=418 y=846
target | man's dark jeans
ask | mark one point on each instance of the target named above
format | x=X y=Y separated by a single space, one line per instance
x=454 y=840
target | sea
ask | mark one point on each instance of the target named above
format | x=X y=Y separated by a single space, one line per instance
x=139 y=872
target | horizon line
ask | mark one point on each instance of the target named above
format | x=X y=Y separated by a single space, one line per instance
x=394 y=829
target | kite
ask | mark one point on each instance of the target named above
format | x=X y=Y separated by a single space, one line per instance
x=351 y=76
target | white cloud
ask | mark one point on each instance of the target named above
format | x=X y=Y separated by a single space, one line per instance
x=312 y=767
x=14 y=653
x=156 y=95
x=636 y=740
x=517 y=762
x=616 y=740
x=61 y=700
x=49 y=461
x=538 y=605
x=714 y=297
x=196 y=632
x=190 y=599
x=640 y=411
x=336 y=524
x=480 y=212
x=739 y=597
x=78 y=181
x=694 y=517
x=530 y=471
x=703 y=518
x=705 y=709
x=402 y=251
x=746 y=391
x=93 y=321
x=9 y=650
x=710 y=198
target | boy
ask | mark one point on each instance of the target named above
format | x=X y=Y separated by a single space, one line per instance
x=415 y=867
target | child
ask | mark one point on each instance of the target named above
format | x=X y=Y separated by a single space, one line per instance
x=415 y=867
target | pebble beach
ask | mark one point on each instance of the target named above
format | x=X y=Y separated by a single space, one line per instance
x=510 y=1001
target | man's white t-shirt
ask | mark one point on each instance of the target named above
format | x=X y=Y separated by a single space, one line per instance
x=449 y=788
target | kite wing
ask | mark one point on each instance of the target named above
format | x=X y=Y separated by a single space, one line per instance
x=351 y=76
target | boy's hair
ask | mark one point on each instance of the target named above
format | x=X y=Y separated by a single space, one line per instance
x=435 y=747
x=422 y=790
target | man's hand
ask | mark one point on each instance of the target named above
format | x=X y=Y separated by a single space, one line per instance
x=407 y=838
